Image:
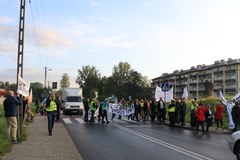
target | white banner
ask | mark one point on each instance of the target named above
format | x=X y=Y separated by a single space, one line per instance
x=230 y=105
x=185 y=93
x=23 y=87
x=160 y=94
x=117 y=109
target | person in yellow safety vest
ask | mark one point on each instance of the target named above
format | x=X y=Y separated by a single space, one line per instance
x=51 y=109
x=193 y=109
x=105 y=107
x=171 y=113
x=141 y=108
x=92 y=109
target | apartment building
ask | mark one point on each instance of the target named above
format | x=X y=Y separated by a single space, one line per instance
x=223 y=75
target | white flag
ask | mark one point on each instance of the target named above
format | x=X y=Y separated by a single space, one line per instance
x=185 y=93
x=169 y=95
x=229 y=105
x=96 y=113
x=158 y=93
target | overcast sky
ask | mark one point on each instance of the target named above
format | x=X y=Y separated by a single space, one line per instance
x=153 y=36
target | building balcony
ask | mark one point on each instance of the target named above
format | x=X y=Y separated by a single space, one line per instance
x=201 y=83
x=202 y=75
x=230 y=71
x=179 y=92
x=192 y=84
x=180 y=85
x=230 y=90
x=193 y=92
x=201 y=91
x=193 y=76
x=218 y=81
x=217 y=90
x=230 y=80
x=218 y=72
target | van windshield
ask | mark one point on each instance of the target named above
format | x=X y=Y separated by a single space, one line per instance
x=73 y=99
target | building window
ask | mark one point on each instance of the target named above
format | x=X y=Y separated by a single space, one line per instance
x=218 y=77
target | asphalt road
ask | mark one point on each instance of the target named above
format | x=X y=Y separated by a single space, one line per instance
x=123 y=139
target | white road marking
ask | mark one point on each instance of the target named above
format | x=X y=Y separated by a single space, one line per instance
x=67 y=120
x=163 y=143
x=79 y=120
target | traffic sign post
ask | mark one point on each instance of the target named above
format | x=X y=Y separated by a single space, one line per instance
x=165 y=88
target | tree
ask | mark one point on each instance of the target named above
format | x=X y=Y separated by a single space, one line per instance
x=120 y=77
x=208 y=88
x=65 y=81
x=128 y=82
x=37 y=89
x=89 y=79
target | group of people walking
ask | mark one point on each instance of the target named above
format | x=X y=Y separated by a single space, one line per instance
x=93 y=105
x=200 y=113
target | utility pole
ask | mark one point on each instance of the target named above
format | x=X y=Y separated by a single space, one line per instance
x=20 y=61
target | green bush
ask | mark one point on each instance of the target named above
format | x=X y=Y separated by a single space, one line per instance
x=5 y=145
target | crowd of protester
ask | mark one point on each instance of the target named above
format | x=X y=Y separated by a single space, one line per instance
x=200 y=114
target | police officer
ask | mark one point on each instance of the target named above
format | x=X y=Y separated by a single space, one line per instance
x=92 y=109
x=172 y=113
x=193 y=109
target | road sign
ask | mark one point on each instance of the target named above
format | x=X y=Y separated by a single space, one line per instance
x=165 y=87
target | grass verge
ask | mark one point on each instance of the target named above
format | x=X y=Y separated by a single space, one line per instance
x=6 y=145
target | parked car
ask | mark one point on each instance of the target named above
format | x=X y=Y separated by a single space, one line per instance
x=234 y=144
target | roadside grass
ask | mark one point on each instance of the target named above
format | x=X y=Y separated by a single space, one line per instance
x=5 y=145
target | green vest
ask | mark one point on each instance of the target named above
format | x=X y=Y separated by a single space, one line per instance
x=193 y=107
x=52 y=107
x=105 y=106
x=172 y=109
x=92 y=106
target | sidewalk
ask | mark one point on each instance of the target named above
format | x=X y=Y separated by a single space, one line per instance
x=41 y=146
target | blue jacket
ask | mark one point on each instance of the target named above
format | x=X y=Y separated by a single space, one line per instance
x=10 y=106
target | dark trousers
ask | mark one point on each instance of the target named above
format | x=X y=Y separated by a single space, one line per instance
x=58 y=114
x=162 y=115
x=92 y=116
x=236 y=123
x=51 y=118
x=136 y=115
x=209 y=123
x=193 y=119
x=200 y=123
x=104 y=115
x=130 y=116
x=153 y=115
x=219 y=121
x=172 y=118
x=182 y=118
x=86 y=116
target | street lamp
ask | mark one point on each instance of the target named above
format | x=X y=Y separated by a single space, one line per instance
x=45 y=78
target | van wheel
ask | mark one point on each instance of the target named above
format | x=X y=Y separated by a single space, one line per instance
x=237 y=151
